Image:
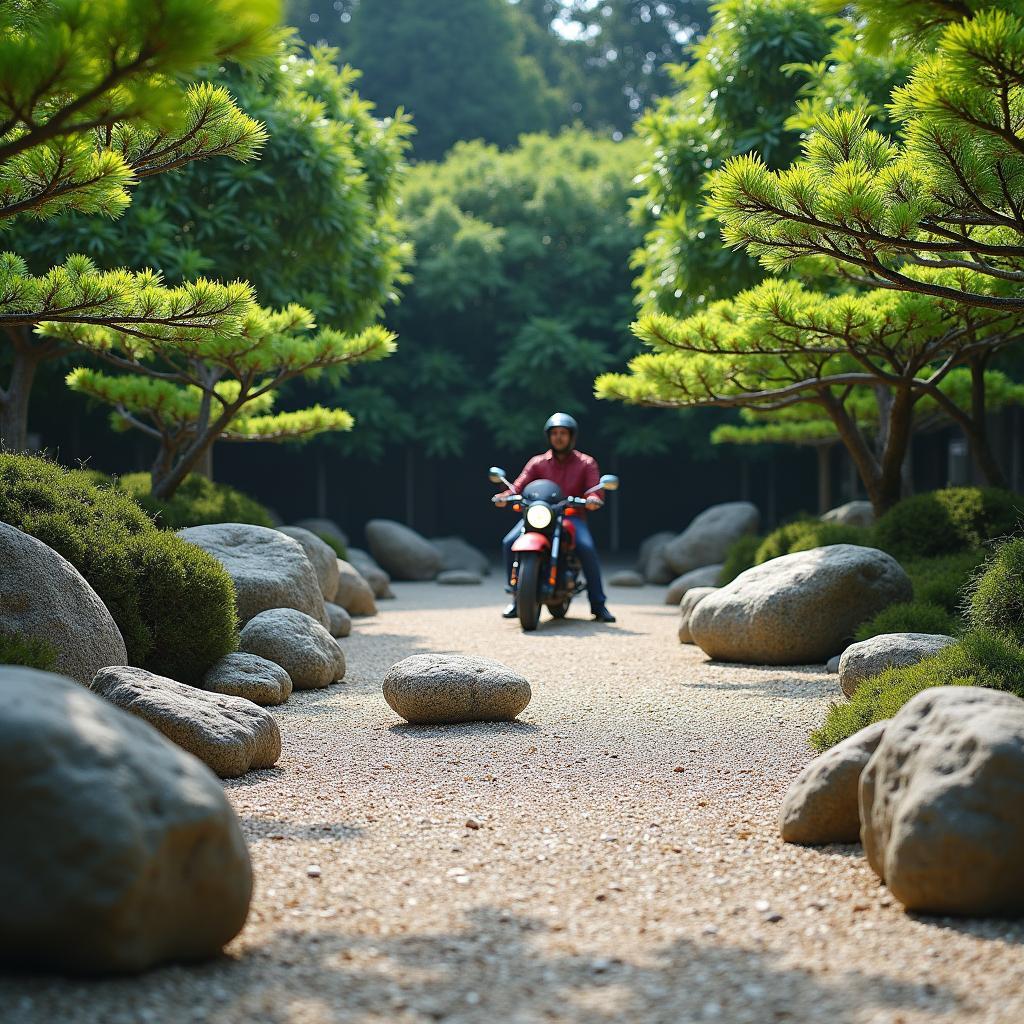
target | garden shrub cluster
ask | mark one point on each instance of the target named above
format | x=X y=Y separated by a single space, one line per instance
x=32 y=652
x=197 y=502
x=909 y=617
x=739 y=557
x=804 y=534
x=173 y=602
x=997 y=603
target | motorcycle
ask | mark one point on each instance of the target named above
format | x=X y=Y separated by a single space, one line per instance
x=546 y=570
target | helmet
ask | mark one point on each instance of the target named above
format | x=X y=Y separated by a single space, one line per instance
x=562 y=419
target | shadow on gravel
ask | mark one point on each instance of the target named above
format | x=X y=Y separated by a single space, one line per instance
x=461 y=730
x=580 y=628
x=271 y=828
x=493 y=970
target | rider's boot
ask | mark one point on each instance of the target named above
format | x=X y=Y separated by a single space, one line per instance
x=601 y=614
x=510 y=611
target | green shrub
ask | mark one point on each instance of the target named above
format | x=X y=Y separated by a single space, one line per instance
x=739 y=557
x=197 y=502
x=805 y=534
x=997 y=602
x=946 y=579
x=908 y=617
x=173 y=602
x=334 y=544
x=948 y=521
x=32 y=652
x=979 y=658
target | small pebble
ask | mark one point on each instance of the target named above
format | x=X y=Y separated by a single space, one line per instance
x=313 y=870
x=473 y=823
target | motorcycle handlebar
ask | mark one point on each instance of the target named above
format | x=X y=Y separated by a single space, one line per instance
x=581 y=502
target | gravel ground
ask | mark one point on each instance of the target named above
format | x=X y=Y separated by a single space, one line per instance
x=613 y=856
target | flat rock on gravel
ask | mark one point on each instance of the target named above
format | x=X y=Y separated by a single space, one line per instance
x=626 y=578
x=799 y=609
x=354 y=593
x=853 y=513
x=43 y=596
x=687 y=603
x=247 y=675
x=341 y=621
x=820 y=805
x=459 y=578
x=269 y=570
x=704 y=577
x=457 y=553
x=298 y=643
x=887 y=650
x=230 y=734
x=449 y=688
x=128 y=854
x=321 y=555
x=942 y=803
x=401 y=551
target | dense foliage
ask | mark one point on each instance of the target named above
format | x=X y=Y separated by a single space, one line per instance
x=32 y=652
x=173 y=603
x=997 y=602
x=909 y=617
x=197 y=502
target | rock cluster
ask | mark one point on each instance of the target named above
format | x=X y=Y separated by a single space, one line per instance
x=298 y=643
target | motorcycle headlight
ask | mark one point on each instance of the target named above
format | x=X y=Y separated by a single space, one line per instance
x=539 y=516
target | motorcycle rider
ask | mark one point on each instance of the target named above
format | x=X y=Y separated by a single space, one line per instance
x=575 y=473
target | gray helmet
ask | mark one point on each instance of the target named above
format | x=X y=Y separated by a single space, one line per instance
x=562 y=419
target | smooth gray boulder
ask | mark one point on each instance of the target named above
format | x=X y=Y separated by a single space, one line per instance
x=298 y=643
x=402 y=552
x=708 y=537
x=853 y=513
x=128 y=854
x=799 y=609
x=687 y=603
x=43 y=596
x=379 y=580
x=326 y=528
x=341 y=621
x=652 y=562
x=354 y=593
x=246 y=675
x=230 y=734
x=820 y=805
x=942 y=803
x=269 y=569
x=321 y=555
x=447 y=688
x=869 y=657
x=832 y=665
x=459 y=578
x=626 y=578
x=457 y=553
x=706 y=576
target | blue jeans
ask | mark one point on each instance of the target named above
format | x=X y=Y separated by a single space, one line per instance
x=585 y=550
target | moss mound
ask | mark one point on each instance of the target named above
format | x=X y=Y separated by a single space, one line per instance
x=174 y=603
x=805 y=534
x=196 y=502
x=946 y=522
x=909 y=617
x=980 y=658
x=32 y=652
x=997 y=603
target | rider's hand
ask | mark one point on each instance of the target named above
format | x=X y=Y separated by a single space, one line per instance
x=499 y=501
x=594 y=502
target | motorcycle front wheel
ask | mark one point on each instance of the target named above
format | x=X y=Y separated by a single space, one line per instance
x=527 y=587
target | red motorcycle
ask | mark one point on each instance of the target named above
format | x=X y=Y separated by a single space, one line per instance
x=546 y=570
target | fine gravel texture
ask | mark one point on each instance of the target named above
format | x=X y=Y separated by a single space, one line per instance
x=613 y=856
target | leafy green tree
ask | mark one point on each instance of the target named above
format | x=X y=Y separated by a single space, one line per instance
x=91 y=100
x=187 y=396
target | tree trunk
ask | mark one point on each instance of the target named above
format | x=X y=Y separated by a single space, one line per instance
x=977 y=434
x=204 y=465
x=897 y=432
x=15 y=398
x=824 y=454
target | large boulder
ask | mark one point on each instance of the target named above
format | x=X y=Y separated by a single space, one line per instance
x=708 y=537
x=121 y=851
x=269 y=570
x=326 y=528
x=401 y=551
x=869 y=657
x=652 y=563
x=798 y=609
x=354 y=592
x=298 y=643
x=853 y=513
x=44 y=597
x=942 y=803
x=379 y=580
x=706 y=576
x=457 y=553
x=687 y=603
x=230 y=734
x=820 y=805
x=246 y=675
x=321 y=555
x=444 y=688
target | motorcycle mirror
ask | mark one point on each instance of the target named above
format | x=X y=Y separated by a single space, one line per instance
x=609 y=483
x=496 y=474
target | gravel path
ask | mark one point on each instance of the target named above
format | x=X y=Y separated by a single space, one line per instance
x=612 y=857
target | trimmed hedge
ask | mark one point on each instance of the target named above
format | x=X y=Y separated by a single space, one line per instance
x=979 y=658
x=945 y=522
x=997 y=603
x=739 y=557
x=197 y=502
x=805 y=534
x=173 y=602
x=946 y=579
x=32 y=652
x=909 y=617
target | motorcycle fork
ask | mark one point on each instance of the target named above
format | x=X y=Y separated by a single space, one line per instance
x=556 y=544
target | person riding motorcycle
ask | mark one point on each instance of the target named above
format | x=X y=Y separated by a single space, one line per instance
x=575 y=473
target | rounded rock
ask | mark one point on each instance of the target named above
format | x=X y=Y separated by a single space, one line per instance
x=298 y=643
x=869 y=657
x=249 y=676
x=459 y=578
x=704 y=577
x=401 y=551
x=354 y=593
x=341 y=621
x=321 y=555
